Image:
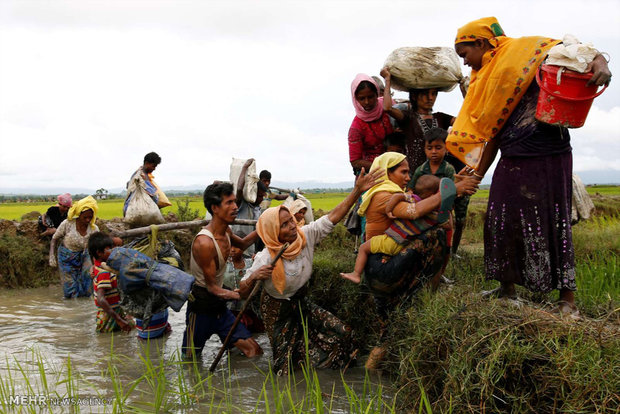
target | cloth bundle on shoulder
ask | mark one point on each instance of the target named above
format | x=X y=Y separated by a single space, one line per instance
x=137 y=271
x=582 y=205
x=162 y=198
x=141 y=210
x=572 y=54
x=424 y=68
x=250 y=188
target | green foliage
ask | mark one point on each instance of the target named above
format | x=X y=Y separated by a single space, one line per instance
x=185 y=212
x=176 y=385
x=24 y=263
x=455 y=351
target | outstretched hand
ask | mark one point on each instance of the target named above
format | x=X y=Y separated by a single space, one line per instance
x=466 y=184
x=366 y=181
x=385 y=73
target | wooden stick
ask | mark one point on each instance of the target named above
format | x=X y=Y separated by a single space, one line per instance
x=174 y=226
x=256 y=288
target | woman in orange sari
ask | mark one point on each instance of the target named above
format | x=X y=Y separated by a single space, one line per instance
x=527 y=234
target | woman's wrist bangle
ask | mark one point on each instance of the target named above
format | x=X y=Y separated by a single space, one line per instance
x=475 y=174
x=605 y=56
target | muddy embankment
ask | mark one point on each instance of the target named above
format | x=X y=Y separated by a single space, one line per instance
x=24 y=254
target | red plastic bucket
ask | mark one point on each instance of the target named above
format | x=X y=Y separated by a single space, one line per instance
x=564 y=101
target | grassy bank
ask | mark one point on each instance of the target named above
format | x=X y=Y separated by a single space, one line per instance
x=466 y=353
x=460 y=352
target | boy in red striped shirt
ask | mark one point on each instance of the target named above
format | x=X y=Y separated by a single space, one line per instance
x=110 y=315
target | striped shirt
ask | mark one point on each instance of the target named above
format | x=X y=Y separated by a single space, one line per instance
x=103 y=279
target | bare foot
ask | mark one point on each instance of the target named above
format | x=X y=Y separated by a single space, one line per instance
x=353 y=277
x=374 y=359
x=568 y=309
x=501 y=292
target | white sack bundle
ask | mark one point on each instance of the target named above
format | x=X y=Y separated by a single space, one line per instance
x=582 y=203
x=424 y=68
x=141 y=210
x=250 y=189
x=572 y=54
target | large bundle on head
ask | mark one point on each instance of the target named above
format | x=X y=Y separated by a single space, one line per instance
x=424 y=68
x=250 y=189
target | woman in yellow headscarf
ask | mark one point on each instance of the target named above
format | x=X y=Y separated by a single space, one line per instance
x=394 y=279
x=528 y=239
x=73 y=259
x=284 y=293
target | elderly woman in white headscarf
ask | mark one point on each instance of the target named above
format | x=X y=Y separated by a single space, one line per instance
x=284 y=297
x=73 y=259
x=298 y=209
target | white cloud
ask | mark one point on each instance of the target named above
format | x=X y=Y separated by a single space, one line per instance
x=88 y=87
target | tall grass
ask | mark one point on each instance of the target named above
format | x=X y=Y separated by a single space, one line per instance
x=176 y=385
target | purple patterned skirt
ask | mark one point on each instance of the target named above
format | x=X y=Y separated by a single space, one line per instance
x=527 y=233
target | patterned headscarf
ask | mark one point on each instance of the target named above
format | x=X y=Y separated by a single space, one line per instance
x=485 y=28
x=382 y=162
x=87 y=203
x=65 y=200
x=376 y=112
x=508 y=69
x=268 y=228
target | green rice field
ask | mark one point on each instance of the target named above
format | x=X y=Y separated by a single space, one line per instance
x=109 y=209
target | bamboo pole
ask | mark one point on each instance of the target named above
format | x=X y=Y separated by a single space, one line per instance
x=174 y=226
x=256 y=288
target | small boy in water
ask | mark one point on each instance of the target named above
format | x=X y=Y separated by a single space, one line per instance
x=110 y=315
x=401 y=231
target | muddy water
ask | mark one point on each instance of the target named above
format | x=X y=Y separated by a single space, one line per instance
x=42 y=320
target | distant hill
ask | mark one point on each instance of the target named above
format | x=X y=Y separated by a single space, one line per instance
x=588 y=177
x=182 y=189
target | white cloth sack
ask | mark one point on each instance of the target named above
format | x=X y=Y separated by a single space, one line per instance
x=141 y=210
x=250 y=189
x=582 y=203
x=572 y=54
x=309 y=216
x=424 y=68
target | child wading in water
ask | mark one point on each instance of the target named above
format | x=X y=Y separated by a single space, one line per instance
x=110 y=316
x=401 y=231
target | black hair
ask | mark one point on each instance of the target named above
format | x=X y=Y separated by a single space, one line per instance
x=214 y=193
x=264 y=175
x=484 y=41
x=97 y=242
x=426 y=184
x=413 y=96
x=366 y=84
x=152 y=158
x=392 y=169
x=436 y=134
x=395 y=139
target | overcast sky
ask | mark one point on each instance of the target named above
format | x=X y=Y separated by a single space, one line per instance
x=88 y=87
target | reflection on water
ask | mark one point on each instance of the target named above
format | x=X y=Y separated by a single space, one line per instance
x=58 y=328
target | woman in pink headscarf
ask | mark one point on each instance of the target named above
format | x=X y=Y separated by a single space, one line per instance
x=371 y=123
x=49 y=222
